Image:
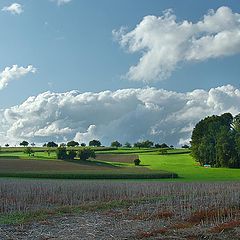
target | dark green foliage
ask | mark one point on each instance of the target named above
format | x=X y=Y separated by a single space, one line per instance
x=144 y=144
x=92 y=175
x=71 y=154
x=86 y=153
x=137 y=162
x=29 y=151
x=7 y=145
x=72 y=144
x=215 y=142
x=51 y=144
x=164 y=145
x=127 y=145
x=24 y=143
x=185 y=146
x=236 y=123
x=116 y=144
x=83 y=144
x=61 y=153
x=95 y=143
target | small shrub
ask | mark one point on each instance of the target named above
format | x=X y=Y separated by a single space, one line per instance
x=137 y=162
x=29 y=151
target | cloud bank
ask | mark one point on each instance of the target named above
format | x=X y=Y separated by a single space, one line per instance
x=15 y=9
x=13 y=73
x=123 y=115
x=165 y=43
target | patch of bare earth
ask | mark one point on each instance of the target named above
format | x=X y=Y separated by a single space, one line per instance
x=124 y=158
x=139 y=221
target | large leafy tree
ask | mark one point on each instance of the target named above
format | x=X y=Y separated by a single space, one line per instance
x=95 y=143
x=215 y=142
x=72 y=144
x=51 y=144
x=24 y=143
x=116 y=144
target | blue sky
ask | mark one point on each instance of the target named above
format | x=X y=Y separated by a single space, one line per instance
x=72 y=47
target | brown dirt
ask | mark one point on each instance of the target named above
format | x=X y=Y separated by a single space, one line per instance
x=21 y=165
x=115 y=224
x=124 y=158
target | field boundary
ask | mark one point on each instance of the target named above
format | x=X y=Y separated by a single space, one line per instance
x=160 y=175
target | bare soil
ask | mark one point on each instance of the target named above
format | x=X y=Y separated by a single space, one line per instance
x=122 y=223
x=117 y=158
x=17 y=165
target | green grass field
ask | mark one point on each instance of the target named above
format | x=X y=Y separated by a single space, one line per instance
x=187 y=168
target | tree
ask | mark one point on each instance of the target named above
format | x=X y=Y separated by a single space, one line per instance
x=216 y=141
x=29 y=151
x=236 y=123
x=83 y=144
x=71 y=154
x=144 y=144
x=116 y=144
x=7 y=145
x=72 y=144
x=61 y=153
x=24 y=143
x=51 y=144
x=164 y=145
x=127 y=145
x=137 y=145
x=137 y=162
x=95 y=143
x=86 y=153
x=185 y=146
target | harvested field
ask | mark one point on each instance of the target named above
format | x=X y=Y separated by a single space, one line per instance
x=117 y=158
x=133 y=210
x=75 y=169
x=16 y=165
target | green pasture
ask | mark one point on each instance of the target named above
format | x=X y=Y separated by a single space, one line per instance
x=187 y=169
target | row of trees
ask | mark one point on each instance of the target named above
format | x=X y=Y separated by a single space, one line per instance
x=83 y=154
x=97 y=143
x=216 y=141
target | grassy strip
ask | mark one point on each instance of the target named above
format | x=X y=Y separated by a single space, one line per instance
x=41 y=215
x=92 y=176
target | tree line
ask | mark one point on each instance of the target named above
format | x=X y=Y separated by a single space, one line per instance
x=97 y=143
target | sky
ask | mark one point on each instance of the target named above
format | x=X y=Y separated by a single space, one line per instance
x=116 y=70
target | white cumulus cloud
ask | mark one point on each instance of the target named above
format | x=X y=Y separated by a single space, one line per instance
x=61 y=2
x=13 y=73
x=165 y=42
x=125 y=115
x=14 y=8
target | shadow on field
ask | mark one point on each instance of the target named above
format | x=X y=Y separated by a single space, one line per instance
x=10 y=157
x=92 y=163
